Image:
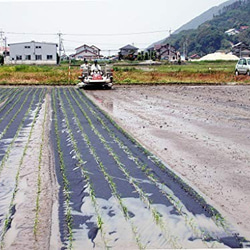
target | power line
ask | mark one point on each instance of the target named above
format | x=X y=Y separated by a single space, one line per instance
x=98 y=43
x=88 y=34
x=118 y=34
x=31 y=33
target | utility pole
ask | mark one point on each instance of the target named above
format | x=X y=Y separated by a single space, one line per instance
x=1 y=38
x=5 y=47
x=3 y=43
x=61 y=48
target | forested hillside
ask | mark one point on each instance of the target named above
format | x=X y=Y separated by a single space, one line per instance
x=210 y=36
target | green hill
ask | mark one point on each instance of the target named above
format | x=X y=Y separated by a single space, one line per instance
x=210 y=36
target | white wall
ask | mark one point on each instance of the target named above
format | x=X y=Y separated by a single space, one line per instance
x=33 y=53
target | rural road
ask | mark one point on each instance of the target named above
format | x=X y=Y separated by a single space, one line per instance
x=70 y=176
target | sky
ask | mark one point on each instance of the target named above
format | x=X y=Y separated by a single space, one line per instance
x=107 y=24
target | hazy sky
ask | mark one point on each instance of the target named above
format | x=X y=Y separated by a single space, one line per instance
x=108 y=24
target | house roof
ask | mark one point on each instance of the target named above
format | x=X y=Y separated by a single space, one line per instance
x=34 y=42
x=85 y=45
x=88 y=51
x=129 y=47
x=93 y=46
x=240 y=44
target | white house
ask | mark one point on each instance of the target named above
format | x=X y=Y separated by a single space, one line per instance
x=33 y=53
x=232 y=32
x=87 y=52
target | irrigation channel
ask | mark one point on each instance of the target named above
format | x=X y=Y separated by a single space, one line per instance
x=113 y=193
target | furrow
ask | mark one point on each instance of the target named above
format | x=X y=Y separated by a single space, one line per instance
x=21 y=124
x=39 y=177
x=155 y=175
x=108 y=178
x=65 y=188
x=144 y=197
x=189 y=218
x=8 y=101
x=15 y=115
x=89 y=190
x=4 y=92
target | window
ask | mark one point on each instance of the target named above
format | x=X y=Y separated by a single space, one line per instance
x=38 y=57
x=38 y=47
x=18 y=57
x=27 y=47
x=49 y=57
x=27 y=57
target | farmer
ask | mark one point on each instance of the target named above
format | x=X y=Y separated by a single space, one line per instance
x=85 y=64
x=95 y=67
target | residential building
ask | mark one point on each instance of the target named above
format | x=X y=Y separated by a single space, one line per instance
x=87 y=52
x=232 y=32
x=166 y=52
x=38 y=53
x=128 y=52
x=242 y=28
x=241 y=50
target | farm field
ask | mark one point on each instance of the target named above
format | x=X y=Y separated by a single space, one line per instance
x=71 y=177
x=217 y=72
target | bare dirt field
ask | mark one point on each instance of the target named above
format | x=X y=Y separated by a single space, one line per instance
x=201 y=132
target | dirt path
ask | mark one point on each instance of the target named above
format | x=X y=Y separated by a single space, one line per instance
x=202 y=133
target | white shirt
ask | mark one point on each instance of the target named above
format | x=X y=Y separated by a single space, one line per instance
x=84 y=66
x=96 y=67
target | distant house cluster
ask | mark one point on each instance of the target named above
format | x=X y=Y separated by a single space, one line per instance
x=233 y=32
x=161 y=52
